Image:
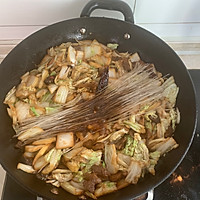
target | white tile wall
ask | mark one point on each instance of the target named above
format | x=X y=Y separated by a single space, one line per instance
x=169 y=19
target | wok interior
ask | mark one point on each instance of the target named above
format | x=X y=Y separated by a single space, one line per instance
x=150 y=48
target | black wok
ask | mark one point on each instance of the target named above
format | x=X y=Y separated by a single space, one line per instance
x=130 y=38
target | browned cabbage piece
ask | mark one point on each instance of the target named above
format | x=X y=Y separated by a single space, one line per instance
x=123 y=160
x=71 y=189
x=134 y=171
x=111 y=158
x=105 y=188
x=163 y=145
x=102 y=158
x=22 y=110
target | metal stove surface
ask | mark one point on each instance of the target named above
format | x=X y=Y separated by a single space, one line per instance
x=183 y=184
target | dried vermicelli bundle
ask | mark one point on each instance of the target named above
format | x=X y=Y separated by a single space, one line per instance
x=118 y=101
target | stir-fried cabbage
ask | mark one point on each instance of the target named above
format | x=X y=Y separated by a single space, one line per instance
x=130 y=146
x=102 y=157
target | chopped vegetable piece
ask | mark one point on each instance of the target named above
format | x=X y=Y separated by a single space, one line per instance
x=123 y=159
x=73 y=166
x=32 y=81
x=52 y=88
x=40 y=153
x=41 y=93
x=29 y=154
x=135 y=126
x=65 y=140
x=43 y=160
x=51 y=109
x=34 y=111
x=154 y=157
x=22 y=110
x=112 y=46
x=135 y=57
x=171 y=91
x=61 y=171
x=63 y=177
x=113 y=74
x=44 y=141
x=118 y=134
x=178 y=119
x=40 y=163
x=47 y=97
x=61 y=94
x=105 y=188
x=122 y=184
x=71 y=189
x=64 y=72
x=92 y=50
x=32 y=132
x=163 y=145
x=90 y=158
x=32 y=148
x=53 y=73
x=10 y=97
x=87 y=95
x=53 y=161
x=141 y=152
x=26 y=168
x=130 y=146
x=167 y=146
x=134 y=172
x=79 y=56
x=69 y=155
x=71 y=56
x=111 y=158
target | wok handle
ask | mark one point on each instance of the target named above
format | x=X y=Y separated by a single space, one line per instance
x=116 y=5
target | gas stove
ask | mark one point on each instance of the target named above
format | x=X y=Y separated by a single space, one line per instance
x=183 y=184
